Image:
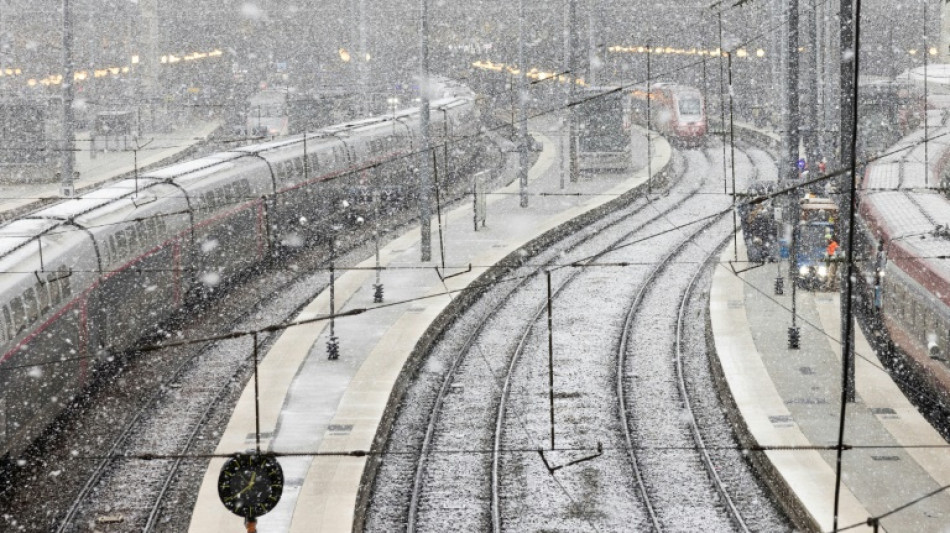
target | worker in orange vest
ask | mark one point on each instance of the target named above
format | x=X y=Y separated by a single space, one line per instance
x=832 y=264
x=832 y=247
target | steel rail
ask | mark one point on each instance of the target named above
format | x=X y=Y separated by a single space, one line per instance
x=449 y=378
x=684 y=395
x=500 y=416
x=621 y=359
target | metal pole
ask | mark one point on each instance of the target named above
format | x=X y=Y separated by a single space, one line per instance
x=547 y=274
x=722 y=110
x=333 y=345
x=649 y=122
x=378 y=287
x=362 y=59
x=566 y=90
x=926 y=122
x=425 y=173
x=592 y=43
x=792 y=135
x=790 y=156
x=809 y=88
x=523 y=158
x=732 y=161
x=851 y=66
x=257 y=399
x=69 y=136
x=848 y=82
x=572 y=94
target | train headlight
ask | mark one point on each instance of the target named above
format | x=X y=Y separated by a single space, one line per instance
x=822 y=271
x=803 y=271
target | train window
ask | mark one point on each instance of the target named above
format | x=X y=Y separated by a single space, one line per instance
x=31 y=306
x=148 y=230
x=42 y=295
x=926 y=320
x=135 y=239
x=64 y=282
x=9 y=327
x=113 y=252
x=286 y=169
x=54 y=292
x=912 y=315
x=902 y=306
x=19 y=314
x=121 y=244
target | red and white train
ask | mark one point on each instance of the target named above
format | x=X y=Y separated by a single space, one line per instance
x=83 y=280
x=676 y=111
x=902 y=258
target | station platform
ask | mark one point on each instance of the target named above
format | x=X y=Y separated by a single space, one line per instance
x=791 y=398
x=99 y=167
x=310 y=404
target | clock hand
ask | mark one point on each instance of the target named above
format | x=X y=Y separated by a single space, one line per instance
x=249 y=484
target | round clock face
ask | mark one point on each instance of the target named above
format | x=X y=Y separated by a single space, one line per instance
x=251 y=485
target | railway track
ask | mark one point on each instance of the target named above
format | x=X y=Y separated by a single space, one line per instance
x=490 y=396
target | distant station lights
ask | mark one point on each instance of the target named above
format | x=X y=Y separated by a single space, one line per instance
x=533 y=74
x=112 y=71
x=668 y=50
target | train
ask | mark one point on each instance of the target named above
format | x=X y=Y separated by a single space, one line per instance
x=83 y=280
x=903 y=280
x=816 y=258
x=604 y=142
x=674 y=110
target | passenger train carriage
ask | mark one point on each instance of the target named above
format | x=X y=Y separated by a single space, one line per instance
x=903 y=243
x=83 y=280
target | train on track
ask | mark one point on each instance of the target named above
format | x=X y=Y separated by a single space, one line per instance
x=604 y=142
x=82 y=281
x=675 y=111
x=903 y=241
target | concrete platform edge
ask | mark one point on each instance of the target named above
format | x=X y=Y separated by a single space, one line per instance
x=778 y=489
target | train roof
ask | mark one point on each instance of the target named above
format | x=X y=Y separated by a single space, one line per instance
x=904 y=210
x=194 y=165
x=19 y=232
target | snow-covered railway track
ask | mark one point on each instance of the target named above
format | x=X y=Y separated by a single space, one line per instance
x=492 y=389
x=636 y=208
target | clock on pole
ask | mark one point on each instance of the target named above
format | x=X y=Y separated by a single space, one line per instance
x=250 y=485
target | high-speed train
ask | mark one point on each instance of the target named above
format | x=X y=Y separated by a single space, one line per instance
x=676 y=111
x=83 y=280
